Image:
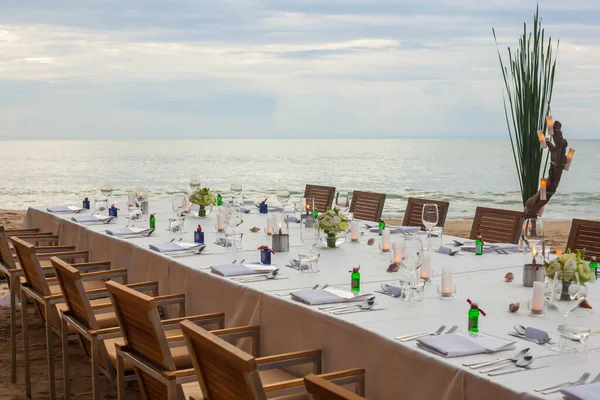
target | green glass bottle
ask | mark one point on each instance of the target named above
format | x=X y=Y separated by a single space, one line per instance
x=152 y=221
x=594 y=266
x=479 y=245
x=355 y=280
x=474 y=318
x=381 y=227
x=219 y=199
x=315 y=213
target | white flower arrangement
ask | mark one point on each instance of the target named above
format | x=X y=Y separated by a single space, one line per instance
x=570 y=263
x=203 y=197
x=333 y=221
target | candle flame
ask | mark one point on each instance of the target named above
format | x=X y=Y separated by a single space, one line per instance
x=534 y=252
x=544 y=182
x=541 y=136
x=559 y=252
x=549 y=121
x=570 y=154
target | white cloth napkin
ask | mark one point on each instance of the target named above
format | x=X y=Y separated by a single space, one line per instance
x=127 y=231
x=392 y=290
x=242 y=269
x=175 y=246
x=91 y=218
x=583 y=392
x=455 y=345
x=63 y=209
x=327 y=296
x=398 y=229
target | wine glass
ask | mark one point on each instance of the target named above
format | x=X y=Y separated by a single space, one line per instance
x=567 y=292
x=283 y=195
x=309 y=233
x=194 y=182
x=412 y=255
x=342 y=201
x=236 y=189
x=533 y=235
x=179 y=204
x=106 y=189
x=233 y=216
x=429 y=217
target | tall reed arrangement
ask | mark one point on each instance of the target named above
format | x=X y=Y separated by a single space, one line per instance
x=528 y=82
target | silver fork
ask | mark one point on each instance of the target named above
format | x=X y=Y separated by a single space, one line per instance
x=556 y=388
x=451 y=330
x=406 y=338
x=287 y=293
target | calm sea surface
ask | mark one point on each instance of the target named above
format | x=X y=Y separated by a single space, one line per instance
x=465 y=172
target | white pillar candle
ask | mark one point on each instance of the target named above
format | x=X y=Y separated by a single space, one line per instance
x=447 y=281
x=426 y=267
x=543 y=185
x=354 y=231
x=550 y=124
x=570 y=155
x=537 y=302
x=385 y=241
x=220 y=222
x=542 y=139
x=269 y=224
x=396 y=253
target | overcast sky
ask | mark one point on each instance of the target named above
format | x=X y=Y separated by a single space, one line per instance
x=115 y=69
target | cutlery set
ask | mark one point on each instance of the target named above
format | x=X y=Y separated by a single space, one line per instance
x=557 y=388
x=313 y=288
x=519 y=362
x=367 y=305
x=439 y=331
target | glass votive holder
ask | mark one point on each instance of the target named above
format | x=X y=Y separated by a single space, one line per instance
x=308 y=262
x=135 y=213
x=436 y=240
x=572 y=339
x=535 y=312
x=412 y=289
x=233 y=241
x=176 y=225
x=446 y=293
x=100 y=206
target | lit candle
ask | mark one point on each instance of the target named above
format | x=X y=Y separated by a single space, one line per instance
x=396 y=253
x=220 y=222
x=550 y=124
x=426 y=267
x=542 y=138
x=570 y=155
x=537 y=302
x=543 y=185
x=385 y=241
x=354 y=231
x=446 y=282
x=269 y=225
x=559 y=252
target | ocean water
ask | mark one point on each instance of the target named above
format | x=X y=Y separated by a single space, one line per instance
x=465 y=172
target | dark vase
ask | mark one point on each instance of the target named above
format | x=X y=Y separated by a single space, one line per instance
x=565 y=295
x=201 y=211
x=331 y=240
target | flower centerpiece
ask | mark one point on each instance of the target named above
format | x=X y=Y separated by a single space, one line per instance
x=567 y=268
x=332 y=222
x=204 y=198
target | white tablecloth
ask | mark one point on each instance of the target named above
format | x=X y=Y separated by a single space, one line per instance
x=394 y=370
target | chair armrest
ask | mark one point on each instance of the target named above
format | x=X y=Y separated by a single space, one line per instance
x=139 y=286
x=200 y=320
x=101 y=307
x=181 y=373
x=92 y=266
x=170 y=299
x=43 y=250
x=66 y=254
x=22 y=232
x=238 y=331
x=348 y=376
x=289 y=359
x=108 y=274
x=105 y=331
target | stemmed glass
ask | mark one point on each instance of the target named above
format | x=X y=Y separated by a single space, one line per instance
x=430 y=220
x=179 y=204
x=194 y=183
x=566 y=295
x=309 y=234
x=342 y=201
x=412 y=255
x=233 y=216
x=533 y=235
x=106 y=189
x=236 y=189
x=283 y=195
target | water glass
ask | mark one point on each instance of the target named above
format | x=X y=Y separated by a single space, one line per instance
x=309 y=232
x=233 y=241
x=412 y=290
x=412 y=255
x=236 y=189
x=106 y=189
x=179 y=204
x=101 y=206
x=342 y=201
x=308 y=262
x=135 y=212
x=436 y=240
x=194 y=182
x=283 y=195
x=177 y=225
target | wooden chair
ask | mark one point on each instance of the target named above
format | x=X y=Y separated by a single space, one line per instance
x=161 y=364
x=321 y=195
x=227 y=373
x=322 y=389
x=98 y=333
x=367 y=206
x=585 y=234
x=413 y=216
x=47 y=297
x=497 y=226
x=9 y=266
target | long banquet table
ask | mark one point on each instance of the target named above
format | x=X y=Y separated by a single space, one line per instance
x=394 y=370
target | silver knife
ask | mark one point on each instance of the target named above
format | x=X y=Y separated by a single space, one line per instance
x=518 y=370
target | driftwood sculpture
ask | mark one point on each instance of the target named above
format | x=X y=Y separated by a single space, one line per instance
x=558 y=160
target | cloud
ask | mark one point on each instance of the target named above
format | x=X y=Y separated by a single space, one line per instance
x=278 y=68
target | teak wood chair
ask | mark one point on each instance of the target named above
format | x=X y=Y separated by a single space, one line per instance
x=320 y=197
x=367 y=206
x=497 y=226
x=322 y=389
x=98 y=334
x=585 y=234
x=413 y=216
x=9 y=266
x=161 y=364
x=48 y=299
x=227 y=373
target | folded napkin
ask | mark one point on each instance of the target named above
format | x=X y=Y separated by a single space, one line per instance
x=583 y=392
x=63 y=209
x=454 y=345
x=536 y=334
x=127 y=231
x=392 y=290
x=292 y=218
x=398 y=229
x=327 y=296
x=242 y=269
x=446 y=250
x=91 y=218
x=224 y=242
x=175 y=246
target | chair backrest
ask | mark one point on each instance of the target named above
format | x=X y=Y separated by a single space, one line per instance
x=224 y=371
x=585 y=234
x=322 y=196
x=322 y=389
x=413 y=216
x=497 y=226
x=6 y=257
x=141 y=326
x=367 y=206
x=34 y=275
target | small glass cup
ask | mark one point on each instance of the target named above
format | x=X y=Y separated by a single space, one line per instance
x=308 y=262
x=101 y=206
x=176 y=225
x=412 y=290
x=135 y=213
x=436 y=239
x=572 y=339
x=234 y=241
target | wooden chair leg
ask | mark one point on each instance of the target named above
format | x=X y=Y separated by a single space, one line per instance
x=95 y=371
x=50 y=353
x=120 y=377
x=13 y=331
x=64 y=335
x=171 y=391
x=24 y=301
